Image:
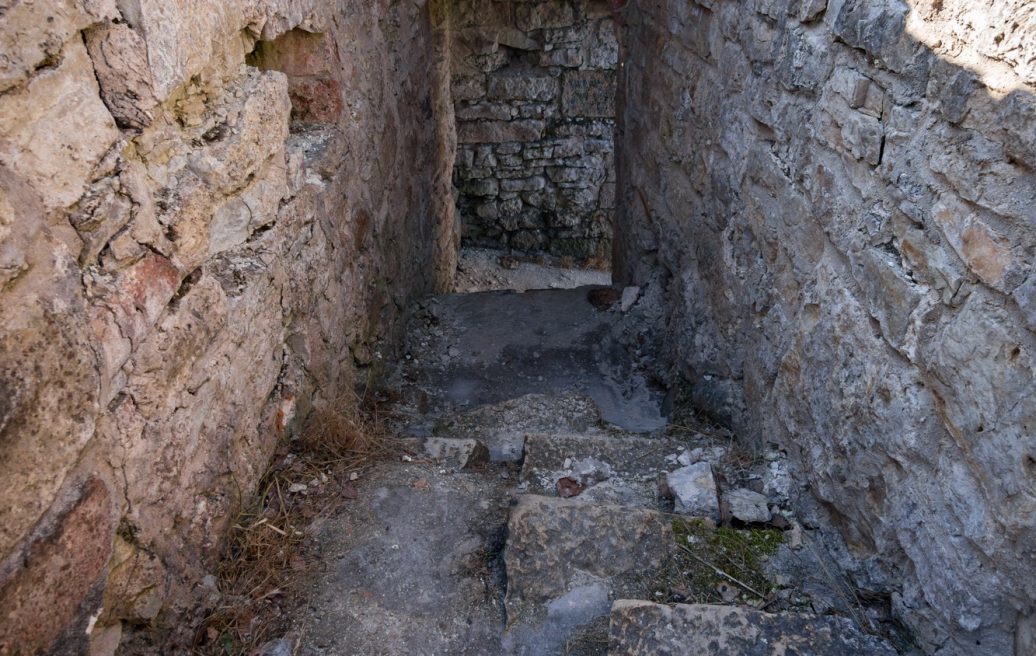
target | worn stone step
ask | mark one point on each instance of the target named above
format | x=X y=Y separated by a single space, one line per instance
x=600 y=468
x=502 y=426
x=567 y=560
x=643 y=628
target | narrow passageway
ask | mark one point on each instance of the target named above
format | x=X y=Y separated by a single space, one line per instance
x=543 y=493
x=517 y=327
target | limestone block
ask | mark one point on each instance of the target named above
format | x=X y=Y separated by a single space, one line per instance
x=136 y=584
x=99 y=215
x=810 y=10
x=986 y=253
x=516 y=86
x=602 y=51
x=256 y=129
x=807 y=59
x=589 y=93
x=163 y=364
x=535 y=183
x=640 y=628
x=694 y=490
x=238 y=218
x=56 y=589
x=239 y=172
x=33 y=34
x=748 y=506
x=891 y=293
x=119 y=56
x=871 y=26
x=492 y=111
x=468 y=87
x=457 y=453
x=57 y=129
x=564 y=57
x=185 y=37
x=127 y=307
x=489 y=211
x=484 y=187
x=510 y=208
x=934 y=263
x=555 y=543
x=514 y=38
x=282 y=17
x=1025 y=296
x=983 y=368
x=540 y=15
x=1017 y=119
x=48 y=370
x=976 y=166
x=500 y=131
x=863 y=137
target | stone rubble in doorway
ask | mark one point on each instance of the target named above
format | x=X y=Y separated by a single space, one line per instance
x=544 y=546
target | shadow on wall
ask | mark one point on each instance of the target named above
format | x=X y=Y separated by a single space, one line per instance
x=841 y=199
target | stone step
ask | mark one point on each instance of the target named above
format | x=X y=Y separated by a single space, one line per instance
x=502 y=426
x=643 y=628
x=567 y=560
x=601 y=468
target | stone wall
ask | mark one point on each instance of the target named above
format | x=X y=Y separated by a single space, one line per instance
x=841 y=198
x=208 y=213
x=534 y=94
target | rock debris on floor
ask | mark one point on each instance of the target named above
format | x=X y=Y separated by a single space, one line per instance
x=545 y=507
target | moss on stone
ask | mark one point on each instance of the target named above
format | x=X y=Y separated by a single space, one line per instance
x=743 y=554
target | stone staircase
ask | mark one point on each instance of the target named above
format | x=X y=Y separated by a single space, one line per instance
x=544 y=508
x=585 y=573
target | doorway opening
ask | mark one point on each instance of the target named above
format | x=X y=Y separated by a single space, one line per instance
x=533 y=87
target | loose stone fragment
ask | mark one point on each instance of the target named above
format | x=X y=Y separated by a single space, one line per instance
x=748 y=506
x=694 y=490
x=457 y=453
x=629 y=297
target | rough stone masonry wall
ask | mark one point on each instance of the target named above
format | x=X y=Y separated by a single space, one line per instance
x=534 y=94
x=841 y=197
x=208 y=212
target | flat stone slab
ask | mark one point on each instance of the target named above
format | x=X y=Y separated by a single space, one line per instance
x=643 y=628
x=609 y=469
x=566 y=561
x=503 y=426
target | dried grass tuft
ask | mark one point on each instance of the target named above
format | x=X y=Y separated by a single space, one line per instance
x=266 y=556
